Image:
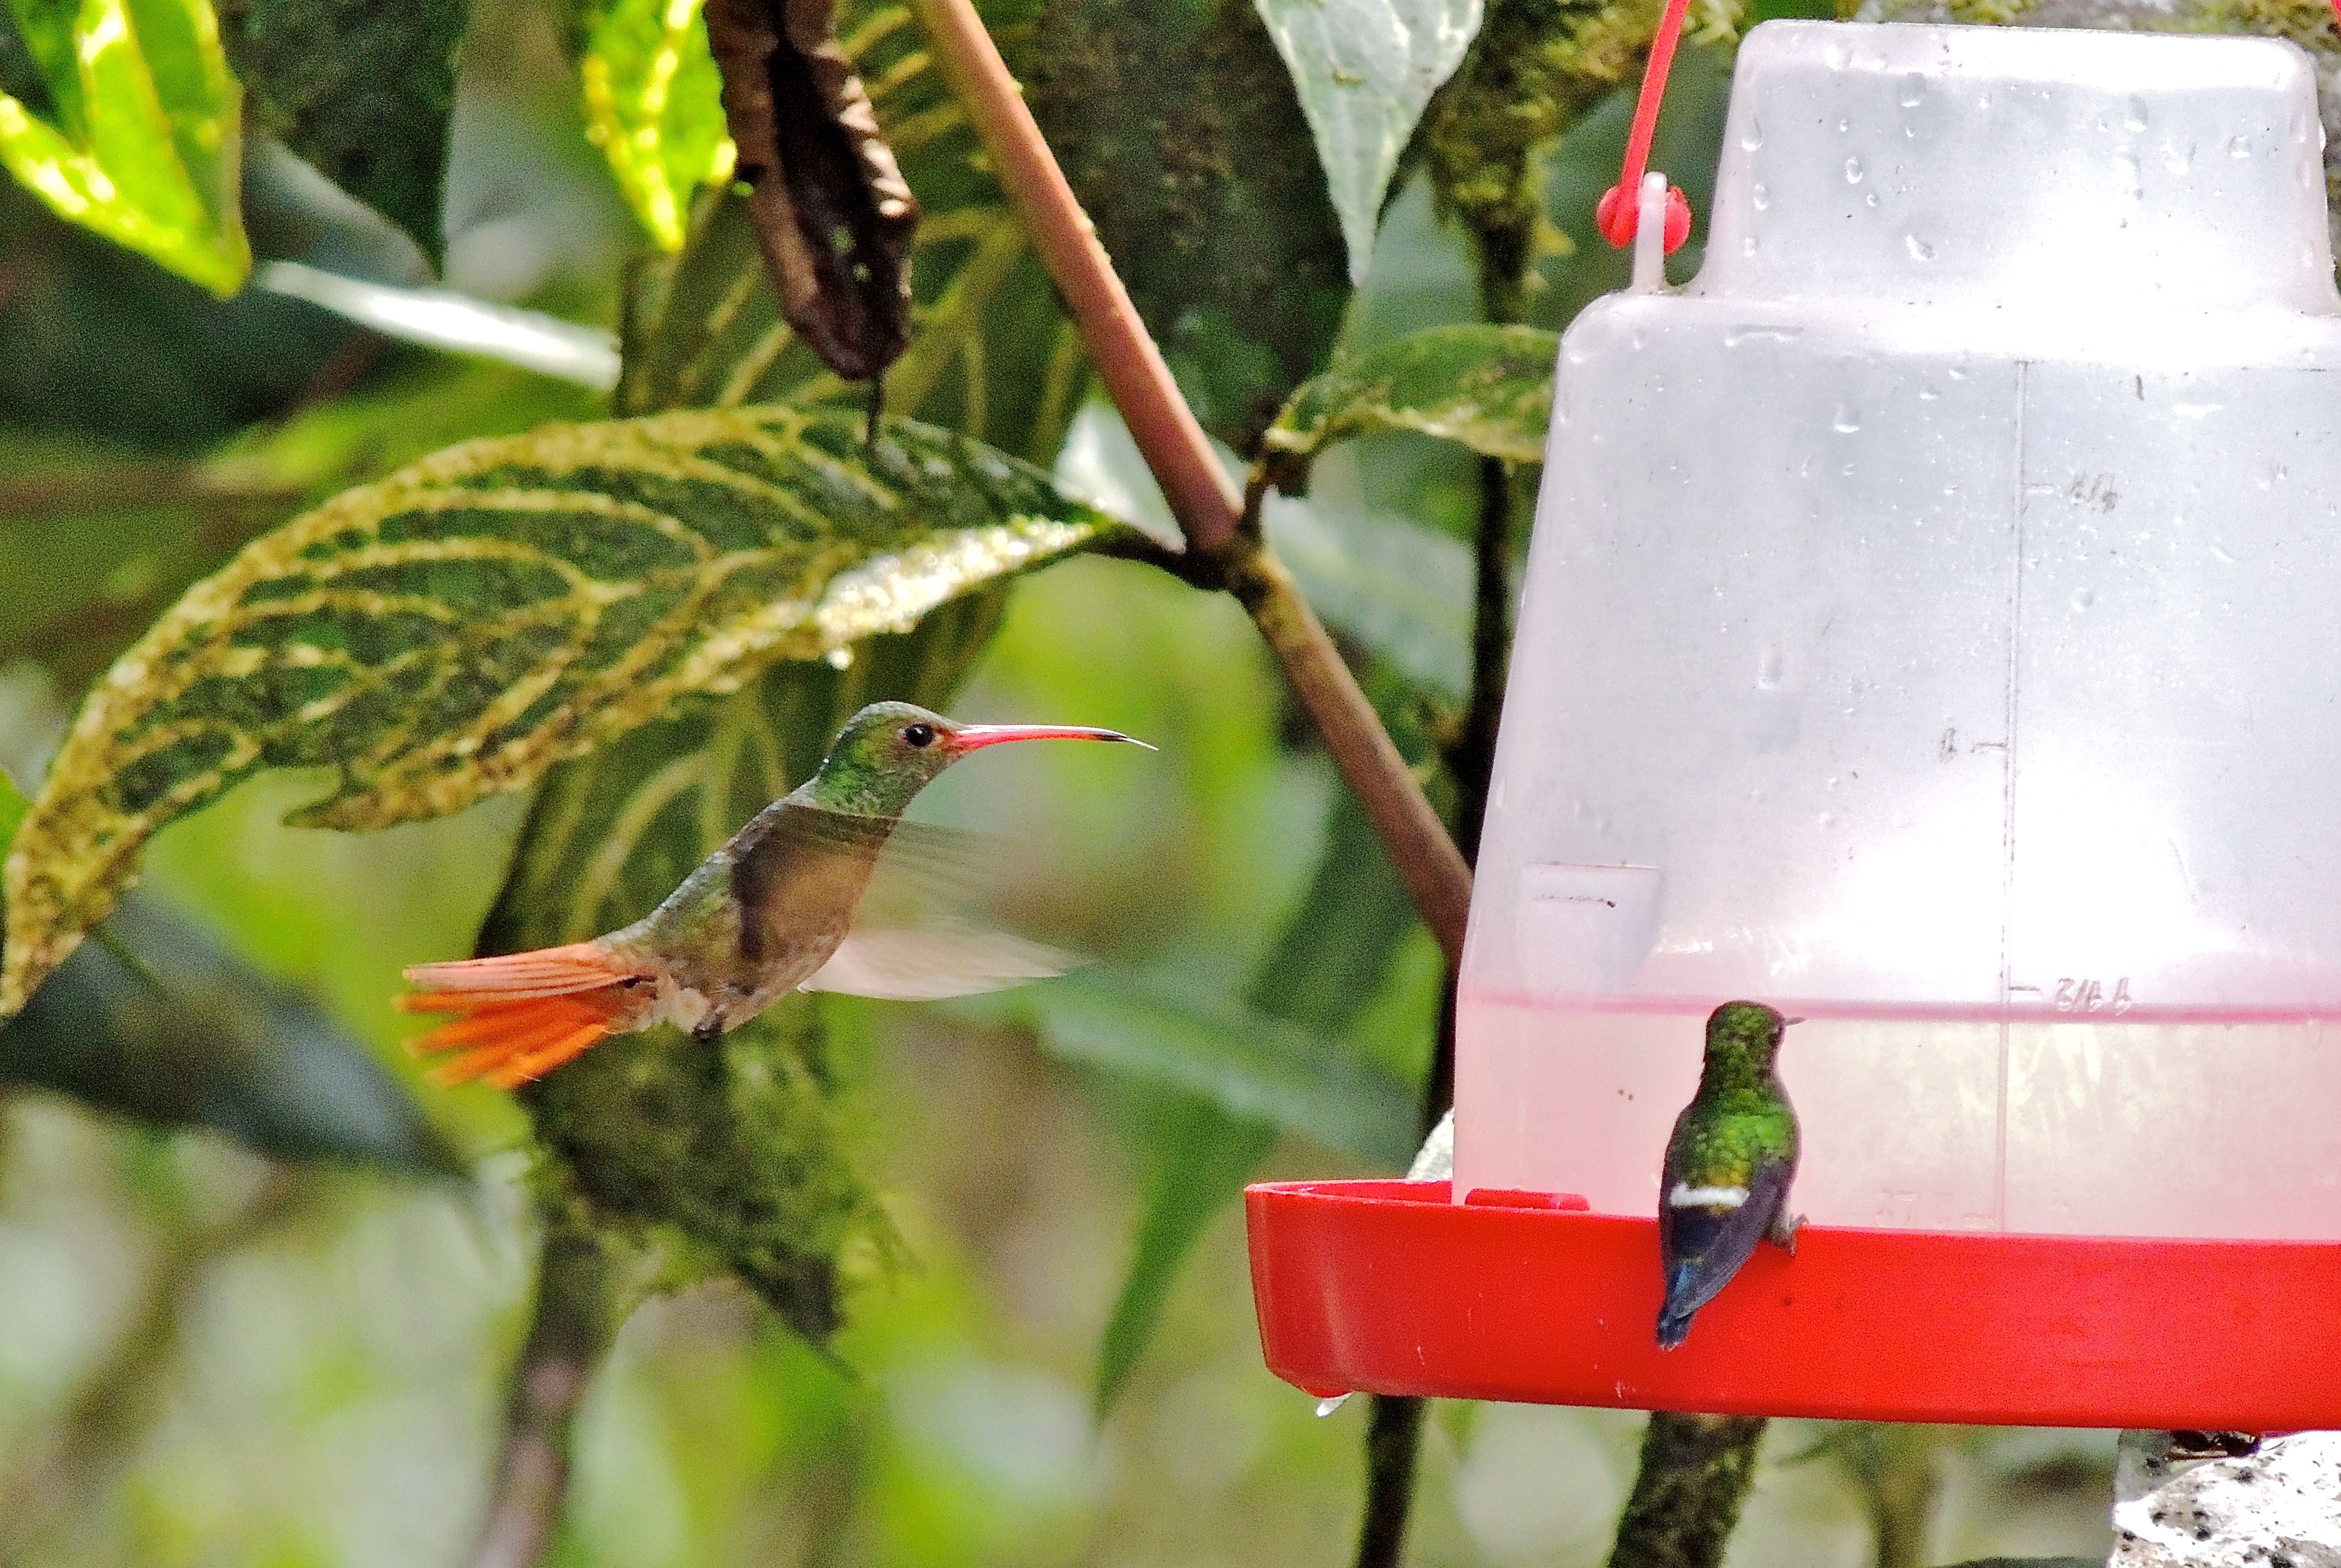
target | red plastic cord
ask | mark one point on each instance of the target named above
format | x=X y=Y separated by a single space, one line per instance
x=1620 y=206
x=2336 y=12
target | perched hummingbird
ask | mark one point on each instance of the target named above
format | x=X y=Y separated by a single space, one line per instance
x=771 y=912
x=1729 y=1165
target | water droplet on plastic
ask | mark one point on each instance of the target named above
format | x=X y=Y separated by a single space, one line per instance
x=1768 y=670
x=841 y=659
x=1327 y=1406
x=1827 y=820
x=1853 y=171
x=1914 y=88
x=1920 y=251
x=1748 y=246
x=2220 y=552
x=2084 y=597
x=1848 y=420
x=1759 y=195
x=2239 y=146
x=1870 y=200
x=2129 y=176
x=2134 y=114
x=1753 y=136
x=2175 y=158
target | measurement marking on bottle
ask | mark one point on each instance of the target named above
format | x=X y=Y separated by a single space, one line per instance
x=2084 y=995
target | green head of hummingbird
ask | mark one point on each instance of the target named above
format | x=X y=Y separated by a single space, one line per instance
x=1725 y=1185
x=770 y=912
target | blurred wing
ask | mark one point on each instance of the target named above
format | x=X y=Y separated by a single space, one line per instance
x=907 y=964
x=918 y=933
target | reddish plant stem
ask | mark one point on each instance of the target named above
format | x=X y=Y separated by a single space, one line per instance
x=1201 y=495
x=1220 y=547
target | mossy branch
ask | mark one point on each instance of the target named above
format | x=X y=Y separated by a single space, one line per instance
x=1695 y=1473
x=575 y=1319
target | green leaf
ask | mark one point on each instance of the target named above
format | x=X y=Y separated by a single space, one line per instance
x=1207 y=1157
x=1487 y=388
x=147 y=148
x=1337 y=946
x=652 y=105
x=13 y=807
x=1246 y=1062
x=454 y=630
x=96 y=542
x=1364 y=70
x=363 y=92
x=741 y=1157
x=1334 y=955
x=190 y=1037
x=1180 y=131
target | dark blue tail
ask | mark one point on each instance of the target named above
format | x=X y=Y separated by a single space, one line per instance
x=1674 y=1316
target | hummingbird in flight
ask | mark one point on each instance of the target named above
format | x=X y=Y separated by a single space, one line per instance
x=771 y=912
x=1733 y=1154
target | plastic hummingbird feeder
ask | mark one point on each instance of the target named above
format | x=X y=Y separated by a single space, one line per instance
x=1933 y=628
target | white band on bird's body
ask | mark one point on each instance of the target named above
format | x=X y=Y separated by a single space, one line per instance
x=1686 y=1196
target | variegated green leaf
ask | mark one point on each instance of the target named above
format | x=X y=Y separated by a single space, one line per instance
x=457 y=628
x=1487 y=388
x=145 y=150
x=652 y=105
x=13 y=807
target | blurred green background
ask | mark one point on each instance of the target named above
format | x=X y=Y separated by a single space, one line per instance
x=208 y=1358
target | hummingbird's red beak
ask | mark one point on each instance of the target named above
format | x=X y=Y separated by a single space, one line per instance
x=969 y=737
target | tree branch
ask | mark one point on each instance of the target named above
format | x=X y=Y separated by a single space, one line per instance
x=1695 y=1474
x=1198 y=490
x=574 y=1322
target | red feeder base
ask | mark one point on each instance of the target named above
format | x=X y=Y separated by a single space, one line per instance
x=1387 y=1287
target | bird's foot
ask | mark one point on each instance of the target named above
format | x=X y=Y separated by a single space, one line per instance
x=1783 y=1233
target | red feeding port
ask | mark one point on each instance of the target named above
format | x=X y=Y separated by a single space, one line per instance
x=1390 y=1287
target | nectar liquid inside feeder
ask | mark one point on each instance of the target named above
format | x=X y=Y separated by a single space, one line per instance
x=1933 y=628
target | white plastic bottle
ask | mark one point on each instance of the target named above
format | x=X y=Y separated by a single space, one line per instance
x=1933 y=628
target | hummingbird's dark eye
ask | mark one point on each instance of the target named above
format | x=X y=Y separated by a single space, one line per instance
x=918 y=734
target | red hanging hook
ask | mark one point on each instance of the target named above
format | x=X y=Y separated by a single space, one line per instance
x=1615 y=216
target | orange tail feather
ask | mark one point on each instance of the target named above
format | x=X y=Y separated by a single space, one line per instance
x=521 y=1014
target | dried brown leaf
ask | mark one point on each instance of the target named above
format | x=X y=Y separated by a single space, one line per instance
x=833 y=215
